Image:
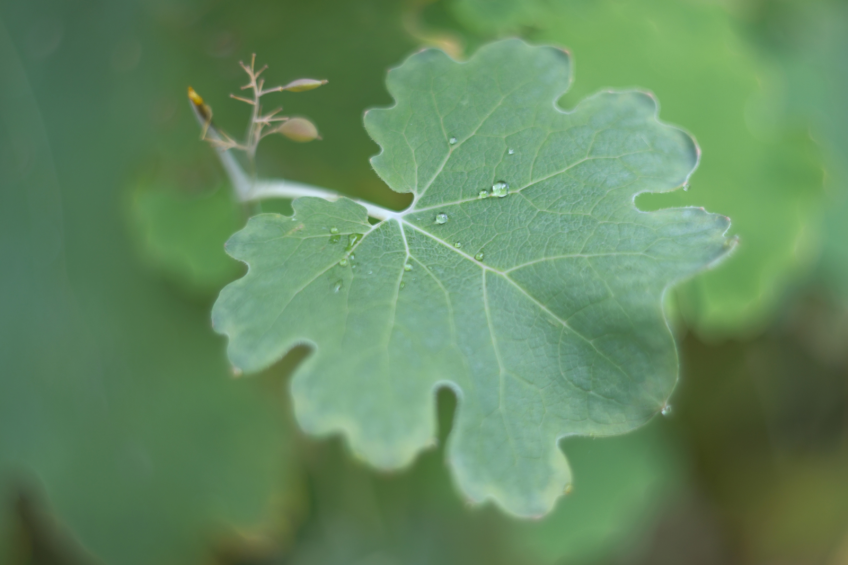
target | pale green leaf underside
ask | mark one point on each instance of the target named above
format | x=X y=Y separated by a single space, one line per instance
x=557 y=331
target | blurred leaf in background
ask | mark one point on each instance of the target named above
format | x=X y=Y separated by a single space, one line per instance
x=184 y=235
x=762 y=172
x=809 y=41
x=116 y=408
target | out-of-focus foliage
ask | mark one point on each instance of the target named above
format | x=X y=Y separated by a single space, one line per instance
x=755 y=168
x=183 y=235
x=107 y=383
x=774 y=462
x=809 y=40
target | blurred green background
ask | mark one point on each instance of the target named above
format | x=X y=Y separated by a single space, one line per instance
x=124 y=438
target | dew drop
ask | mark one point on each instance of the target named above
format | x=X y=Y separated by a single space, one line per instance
x=337 y=286
x=402 y=284
x=500 y=189
x=479 y=256
x=407 y=267
x=343 y=263
x=667 y=410
x=685 y=186
x=335 y=238
x=352 y=257
x=483 y=194
x=441 y=218
x=354 y=239
x=457 y=245
x=452 y=141
x=511 y=152
x=334 y=230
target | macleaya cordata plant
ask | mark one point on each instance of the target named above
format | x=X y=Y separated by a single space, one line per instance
x=522 y=276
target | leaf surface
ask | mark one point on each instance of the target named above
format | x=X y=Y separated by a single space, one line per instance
x=759 y=167
x=522 y=276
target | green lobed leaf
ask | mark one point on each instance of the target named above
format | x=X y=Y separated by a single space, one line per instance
x=541 y=308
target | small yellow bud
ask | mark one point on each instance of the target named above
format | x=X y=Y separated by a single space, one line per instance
x=303 y=84
x=202 y=109
x=194 y=97
x=299 y=129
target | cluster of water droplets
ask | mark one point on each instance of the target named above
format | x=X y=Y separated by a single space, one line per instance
x=348 y=258
x=407 y=267
x=499 y=189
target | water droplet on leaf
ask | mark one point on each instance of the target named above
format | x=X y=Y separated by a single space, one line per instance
x=500 y=189
x=343 y=263
x=354 y=239
x=335 y=238
x=483 y=194
x=334 y=230
x=457 y=245
x=407 y=267
x=452 y=141
x=511 y=151
x=479 y=256
x=337 y=286
x=441 y=218
x=667 y=410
